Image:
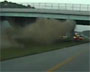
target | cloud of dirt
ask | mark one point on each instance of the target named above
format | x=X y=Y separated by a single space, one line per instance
x=43 y=31
x=48 y=30
x=7 y=35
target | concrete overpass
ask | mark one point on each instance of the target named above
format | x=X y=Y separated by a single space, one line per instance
x=46 y=13
x=81 y=16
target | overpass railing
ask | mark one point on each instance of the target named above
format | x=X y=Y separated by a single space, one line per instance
x=60 y=6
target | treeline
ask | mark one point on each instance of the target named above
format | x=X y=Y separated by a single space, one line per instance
x=6 y=4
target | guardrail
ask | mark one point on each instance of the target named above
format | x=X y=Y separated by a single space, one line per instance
x=60 y=6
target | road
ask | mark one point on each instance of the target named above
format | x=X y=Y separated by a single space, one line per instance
x=71 y=59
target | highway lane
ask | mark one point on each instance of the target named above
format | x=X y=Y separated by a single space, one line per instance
x=80 y=64
x=76 y=63
x=71 y=59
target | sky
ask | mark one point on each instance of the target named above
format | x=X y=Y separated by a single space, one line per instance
x=52 y=1
x=81 y=28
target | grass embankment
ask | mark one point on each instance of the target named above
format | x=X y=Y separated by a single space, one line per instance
x=10 y=53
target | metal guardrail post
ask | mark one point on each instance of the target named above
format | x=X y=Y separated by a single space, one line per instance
x=80 y=7
x=39 y=5
x=72 y=6
x=87 y=7
x=65 y=6
x=51 y=5
x=45 y=5
x=58 y=5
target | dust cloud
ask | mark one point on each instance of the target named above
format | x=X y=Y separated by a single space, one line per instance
x=43 y=31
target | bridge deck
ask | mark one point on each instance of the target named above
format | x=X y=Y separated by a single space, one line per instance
x=47 y=11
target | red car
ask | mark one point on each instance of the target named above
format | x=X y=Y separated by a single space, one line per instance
x=78 y=37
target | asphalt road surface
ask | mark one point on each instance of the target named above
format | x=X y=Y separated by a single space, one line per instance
x=71 y=59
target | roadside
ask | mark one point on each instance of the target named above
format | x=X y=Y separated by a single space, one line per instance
x=10 y=53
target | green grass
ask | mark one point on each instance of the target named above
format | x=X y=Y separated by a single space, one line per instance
x=31 y=49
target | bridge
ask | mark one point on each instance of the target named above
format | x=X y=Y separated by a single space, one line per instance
x=71 y=12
